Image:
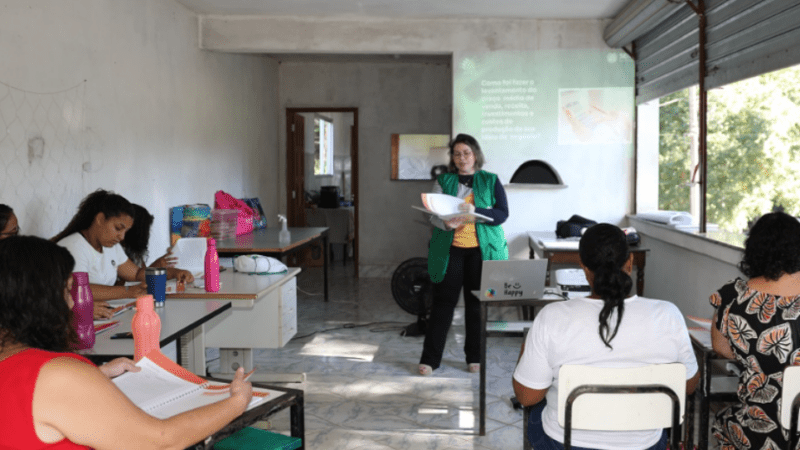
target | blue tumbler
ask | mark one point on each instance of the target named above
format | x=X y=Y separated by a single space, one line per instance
x=156 y=280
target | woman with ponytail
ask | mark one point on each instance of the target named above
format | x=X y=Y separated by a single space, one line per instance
x=609 y=328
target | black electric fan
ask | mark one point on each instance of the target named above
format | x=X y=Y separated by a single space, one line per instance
x=411 y=288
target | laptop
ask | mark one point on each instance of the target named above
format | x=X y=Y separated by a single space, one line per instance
x=513 y=279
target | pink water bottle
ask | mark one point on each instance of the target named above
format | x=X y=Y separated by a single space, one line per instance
x=83 y=310
x=146 y=328
x=211 y=267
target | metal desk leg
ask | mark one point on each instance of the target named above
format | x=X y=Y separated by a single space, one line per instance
x=325 y=250
x=297 y=417
x=705 y=391
x=233 y=358
x=482 y=393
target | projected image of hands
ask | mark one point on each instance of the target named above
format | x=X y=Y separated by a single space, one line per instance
x=594 y=116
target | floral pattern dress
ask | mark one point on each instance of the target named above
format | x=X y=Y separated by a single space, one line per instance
x=763 y=335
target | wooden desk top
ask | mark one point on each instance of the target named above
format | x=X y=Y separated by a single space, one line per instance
x=238 y=286
x=266 y=240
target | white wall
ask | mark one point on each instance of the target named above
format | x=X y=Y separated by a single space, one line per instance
x=123 y=87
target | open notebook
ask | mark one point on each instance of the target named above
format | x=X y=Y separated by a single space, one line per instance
x=164 y=389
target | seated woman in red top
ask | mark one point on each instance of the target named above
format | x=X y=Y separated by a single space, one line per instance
x=55 y=399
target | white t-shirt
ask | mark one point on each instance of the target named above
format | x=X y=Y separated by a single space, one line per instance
x=651 y=332
x=101 y=267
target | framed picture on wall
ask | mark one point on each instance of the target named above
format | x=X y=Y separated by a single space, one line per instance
x=419 y=156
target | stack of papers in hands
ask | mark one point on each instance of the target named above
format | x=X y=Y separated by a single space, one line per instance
x=445 y=207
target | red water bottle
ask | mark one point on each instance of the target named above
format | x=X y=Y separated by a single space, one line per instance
x=211 y=267
x=146 y=328
x=83 y=310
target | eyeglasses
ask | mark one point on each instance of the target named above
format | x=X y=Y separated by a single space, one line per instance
x=462 y=155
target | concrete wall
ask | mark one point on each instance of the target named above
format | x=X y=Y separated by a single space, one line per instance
x=391 y=98
x=117 y=94
x=396 y=102
x=685 y=268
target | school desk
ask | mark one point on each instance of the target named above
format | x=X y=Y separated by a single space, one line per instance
x=545 y=244
x=717 y=384
x=289 y=398
x=503 y=329
x=265 y=242
x=263 y=315
x=178 y=318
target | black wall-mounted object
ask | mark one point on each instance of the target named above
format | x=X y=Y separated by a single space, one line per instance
x=536 y=171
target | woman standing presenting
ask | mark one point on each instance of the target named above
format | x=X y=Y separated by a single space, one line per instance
x=755 y=322
x=458 y=248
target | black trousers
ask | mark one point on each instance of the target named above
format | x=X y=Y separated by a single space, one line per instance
x=463 y=270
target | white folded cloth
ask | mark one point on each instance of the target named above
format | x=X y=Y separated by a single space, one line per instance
x=258 y=264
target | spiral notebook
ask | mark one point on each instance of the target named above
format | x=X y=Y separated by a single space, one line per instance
x=164 y=389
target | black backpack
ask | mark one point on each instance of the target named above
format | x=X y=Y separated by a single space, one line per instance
x=573 y=226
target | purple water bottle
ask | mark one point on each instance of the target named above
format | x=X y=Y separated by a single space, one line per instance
x=83 y=310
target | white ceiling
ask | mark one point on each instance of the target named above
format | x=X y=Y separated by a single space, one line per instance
x=410 y=9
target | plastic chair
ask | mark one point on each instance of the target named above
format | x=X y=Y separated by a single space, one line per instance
x=790 y=396
x=621 y=399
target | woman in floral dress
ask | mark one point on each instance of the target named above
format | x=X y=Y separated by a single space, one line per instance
x=756 y=323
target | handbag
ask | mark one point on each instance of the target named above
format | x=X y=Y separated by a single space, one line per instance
x=244 y=220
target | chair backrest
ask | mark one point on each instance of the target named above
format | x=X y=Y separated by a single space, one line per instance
x=791 y=389
x=622 y=408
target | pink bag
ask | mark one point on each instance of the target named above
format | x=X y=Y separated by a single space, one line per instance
x=244 y=222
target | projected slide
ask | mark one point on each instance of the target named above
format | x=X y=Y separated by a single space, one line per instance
x=553 y=105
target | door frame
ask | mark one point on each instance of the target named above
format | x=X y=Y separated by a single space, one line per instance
x=290 y=181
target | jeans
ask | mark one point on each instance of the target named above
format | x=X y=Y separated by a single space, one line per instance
x=541 y=441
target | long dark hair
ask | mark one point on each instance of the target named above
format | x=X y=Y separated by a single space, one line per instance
x=33 y=311
x=5 y=214
x=472 y=143
x=138 y=237
x=604 y=251
x=772 y=247
x=99 y=201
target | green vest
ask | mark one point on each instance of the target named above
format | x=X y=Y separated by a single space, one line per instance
x=491 y=239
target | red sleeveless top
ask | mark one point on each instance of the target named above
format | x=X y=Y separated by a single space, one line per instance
x=18 y=375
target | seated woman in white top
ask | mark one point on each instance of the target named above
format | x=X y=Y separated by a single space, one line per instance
x=93 y=238
x=606 y=329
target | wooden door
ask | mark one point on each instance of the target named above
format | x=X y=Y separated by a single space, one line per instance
x=295 y=172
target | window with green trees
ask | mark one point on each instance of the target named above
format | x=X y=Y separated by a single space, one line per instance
x=753 y=148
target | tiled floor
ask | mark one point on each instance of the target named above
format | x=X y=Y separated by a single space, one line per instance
x=362 y=390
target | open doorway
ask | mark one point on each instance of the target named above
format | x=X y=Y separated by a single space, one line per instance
x=322 y=176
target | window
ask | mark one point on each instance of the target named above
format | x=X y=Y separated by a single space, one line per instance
x=677 y=150
x=323 y=146
x=753 y=150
